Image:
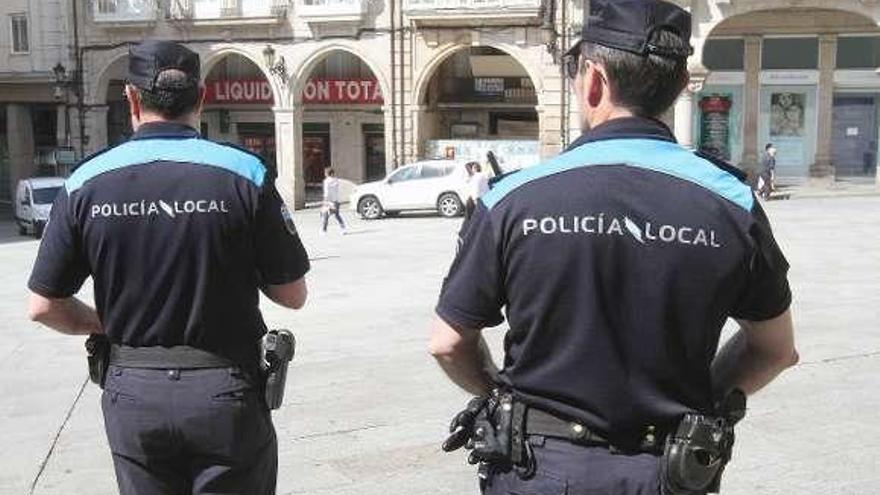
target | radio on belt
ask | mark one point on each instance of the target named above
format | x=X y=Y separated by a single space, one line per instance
x=278 y=350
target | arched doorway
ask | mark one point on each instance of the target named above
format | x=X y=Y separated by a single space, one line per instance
x=238 y=106
x=479 y=99
x=118 y=119
x=342 y=126
x=799 y=78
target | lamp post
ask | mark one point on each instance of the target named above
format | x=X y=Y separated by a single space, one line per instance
x=62 y=86
x=277 y=68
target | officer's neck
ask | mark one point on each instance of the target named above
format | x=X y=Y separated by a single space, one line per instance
x=607 y=114
x=191 y=120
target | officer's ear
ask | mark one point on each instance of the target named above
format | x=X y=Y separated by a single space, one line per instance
x=134 y=104
x=596 y=86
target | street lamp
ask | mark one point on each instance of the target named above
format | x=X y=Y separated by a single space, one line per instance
x=277 y=68
x=62 y=84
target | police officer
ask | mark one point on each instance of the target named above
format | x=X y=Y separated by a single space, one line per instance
x=617 y=264
x=178 y=234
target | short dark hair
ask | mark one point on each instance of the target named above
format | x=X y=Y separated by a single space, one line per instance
x=173 y=96
x=769 y=145
x=645 y=85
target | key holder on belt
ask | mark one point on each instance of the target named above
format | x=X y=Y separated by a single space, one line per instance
x=279 y=347
x=98 y=354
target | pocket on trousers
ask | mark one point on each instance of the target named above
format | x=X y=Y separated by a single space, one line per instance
x=542 y=483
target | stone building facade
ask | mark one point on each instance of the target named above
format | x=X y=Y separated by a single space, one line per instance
x=368 y=85
x=34 y=107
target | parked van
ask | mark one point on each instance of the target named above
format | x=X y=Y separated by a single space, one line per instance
x=33 y=202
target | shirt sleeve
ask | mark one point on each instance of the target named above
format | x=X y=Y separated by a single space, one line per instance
x=472 y=295
x=767 y=294
x=61 y=266
x=281 y=256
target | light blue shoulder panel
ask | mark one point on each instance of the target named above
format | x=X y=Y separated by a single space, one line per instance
x=189 y=150
x=650 y=154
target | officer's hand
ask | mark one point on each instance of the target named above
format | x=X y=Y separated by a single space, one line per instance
x=461 y=427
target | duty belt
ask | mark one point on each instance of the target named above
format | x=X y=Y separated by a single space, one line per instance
x=545 y=424
x=157 y=357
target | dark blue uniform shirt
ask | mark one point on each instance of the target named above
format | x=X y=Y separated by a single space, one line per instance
x=618 y=263
x=178 y=233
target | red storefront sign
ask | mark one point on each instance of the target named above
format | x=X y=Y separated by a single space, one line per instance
x=342 y=91
x=316 y=91
x=238 y=91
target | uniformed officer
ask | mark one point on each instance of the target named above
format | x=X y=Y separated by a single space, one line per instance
x=617 y=264
x=178 y=234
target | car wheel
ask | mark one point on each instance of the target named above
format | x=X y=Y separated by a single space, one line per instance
x=369 y=208
x=22 y=230
x=449 y=205
x=38 y=230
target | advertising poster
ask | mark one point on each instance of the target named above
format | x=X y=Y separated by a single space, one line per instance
x=788 y=127
x=511 y=154
x=715 y=125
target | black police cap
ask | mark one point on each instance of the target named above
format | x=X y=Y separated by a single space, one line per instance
x=629 y=25
x=149 y=59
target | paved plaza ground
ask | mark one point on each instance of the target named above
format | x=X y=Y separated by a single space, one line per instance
x=366 y=408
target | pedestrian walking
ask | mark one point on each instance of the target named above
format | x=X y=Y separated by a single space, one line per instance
x=179 y=234
x=331 y=201
x=477 y=185
x=767 y=176
x=616 y=265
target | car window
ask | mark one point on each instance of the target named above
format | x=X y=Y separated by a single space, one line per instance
x=404 y=174
x=434 y=171
x=46 y=195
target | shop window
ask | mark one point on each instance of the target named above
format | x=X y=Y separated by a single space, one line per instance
x=790 y=53
x=19 y=31
x=724 y=54
x=858 y=52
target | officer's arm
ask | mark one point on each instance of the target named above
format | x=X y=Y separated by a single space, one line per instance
x=464 y=357
x=68 y=315
x=292 y=295
x=755 y=355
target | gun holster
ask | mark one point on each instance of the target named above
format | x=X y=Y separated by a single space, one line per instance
x=699 y=449
x=279 y=347
x=494 y=429
x=98 y=354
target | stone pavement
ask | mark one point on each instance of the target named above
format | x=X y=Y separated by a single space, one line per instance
x=366 y=408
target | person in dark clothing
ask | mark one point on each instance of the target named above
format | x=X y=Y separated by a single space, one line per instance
x=179 y=234
x=767 y=176
x=616 y=265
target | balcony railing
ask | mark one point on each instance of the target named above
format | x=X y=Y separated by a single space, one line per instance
x=331 y=9
x=485 y=5
x=125 y=10
x=236 y=9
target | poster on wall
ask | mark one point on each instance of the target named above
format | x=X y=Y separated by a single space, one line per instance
x=787 y=114
x=788 y=127
x=512 y=154
x=715 y=125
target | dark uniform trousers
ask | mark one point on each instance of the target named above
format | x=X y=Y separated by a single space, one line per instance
x=200 y=431
x=567 y=469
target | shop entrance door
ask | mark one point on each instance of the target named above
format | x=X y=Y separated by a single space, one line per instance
x=374 y=148
x=259 y=139
x=316 y=152
x=855 y=136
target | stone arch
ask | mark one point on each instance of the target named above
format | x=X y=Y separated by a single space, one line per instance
x=446 y=51
x=215 y=56
x=714 y=15
x=304 y=70
x=113 y=59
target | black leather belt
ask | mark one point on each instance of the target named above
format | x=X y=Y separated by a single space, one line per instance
x=545 y=424
x=177 y=357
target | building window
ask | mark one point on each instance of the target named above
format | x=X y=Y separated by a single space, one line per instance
x=19 y=33
x=790 y=53
x=107 y=6
x=858 y=52
x=724 y=54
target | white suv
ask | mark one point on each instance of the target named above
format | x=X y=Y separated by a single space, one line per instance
x=429 y=185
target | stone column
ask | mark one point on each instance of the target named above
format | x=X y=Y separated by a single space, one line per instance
x=823 y=169
x=752 y=104
x=684 y=108
x=288 y=155
x=20 y=136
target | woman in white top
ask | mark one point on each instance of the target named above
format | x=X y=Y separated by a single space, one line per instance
x=331 y=200
x=478 y=185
